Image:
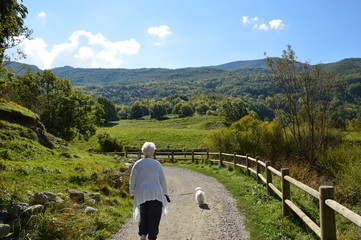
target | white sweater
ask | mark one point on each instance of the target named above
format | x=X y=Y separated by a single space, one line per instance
x=147 y=182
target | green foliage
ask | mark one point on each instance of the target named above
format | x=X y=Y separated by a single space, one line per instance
x=355 y=124
x=65 y=111
x=158 y=110
x=249 y=135
x=108 y=143
x=343 y=163
x=186 y=110
x=233 y=110
x=12 y=28
x=110 y=111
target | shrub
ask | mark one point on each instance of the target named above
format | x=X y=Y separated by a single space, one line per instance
x=109 y=144
x=343 y=163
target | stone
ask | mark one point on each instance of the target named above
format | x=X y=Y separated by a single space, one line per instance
x=90 y=210
x=33 y=210
x=95 y=196
x=92 y=201
x=4 y=230
x=76 y=196
x=16 y=210
x=51 y=196
x=40 y=198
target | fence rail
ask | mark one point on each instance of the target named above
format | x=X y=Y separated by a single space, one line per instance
x=327 y=205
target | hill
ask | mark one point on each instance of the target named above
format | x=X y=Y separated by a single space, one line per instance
x=37 y=182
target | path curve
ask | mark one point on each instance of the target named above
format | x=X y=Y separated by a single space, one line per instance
x=219 y=219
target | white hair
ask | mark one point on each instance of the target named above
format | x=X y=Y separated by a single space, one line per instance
x=148 y=148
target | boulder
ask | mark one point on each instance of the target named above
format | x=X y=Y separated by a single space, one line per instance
x=16 y=210
x=90 y=210
x=33 y=210
x=95 y=196
x=51 y=196
x=40 y=198
x=4 y=230
x=76 y=196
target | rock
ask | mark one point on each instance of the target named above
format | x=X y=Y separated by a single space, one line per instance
x=4 y=230
x=33 y=210
x=30 y=193
x=40 y=198
x=16 y=210
x=95 y=196
x=128 y=165
x=90 y=210
x=51 y=196
x=76 y=196
x=92 y=201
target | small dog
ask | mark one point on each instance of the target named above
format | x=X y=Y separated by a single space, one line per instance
x=200 y=196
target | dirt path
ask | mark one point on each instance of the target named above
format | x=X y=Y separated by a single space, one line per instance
x=219 y=219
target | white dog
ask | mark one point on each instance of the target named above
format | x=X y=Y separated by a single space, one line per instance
x=200 y=196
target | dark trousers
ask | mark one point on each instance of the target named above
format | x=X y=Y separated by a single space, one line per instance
x=150 y=214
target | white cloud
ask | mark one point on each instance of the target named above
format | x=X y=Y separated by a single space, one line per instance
x=84 y=49
x=263 y=27
x=259 y=24
x=42 y=14
x=276 y=24
x=245 y=20
x=160 y=31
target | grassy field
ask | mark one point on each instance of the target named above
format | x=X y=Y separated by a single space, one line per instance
x=173 y=132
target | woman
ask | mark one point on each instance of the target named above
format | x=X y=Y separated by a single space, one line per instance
x=148 y=188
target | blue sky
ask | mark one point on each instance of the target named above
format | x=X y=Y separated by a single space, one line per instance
x=188 y=33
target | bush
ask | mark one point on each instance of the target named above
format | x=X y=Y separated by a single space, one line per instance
x=343 y=163
x=109 y=144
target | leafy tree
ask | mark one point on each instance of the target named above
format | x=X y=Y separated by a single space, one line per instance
x=136 y=110
x=202 y=109
x=186 y=110
x=233 y=109
x=158 y=110
x=12 y=28
x=308 y=92
x=110 y=111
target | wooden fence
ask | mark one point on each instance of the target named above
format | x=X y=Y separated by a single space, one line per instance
x=325 y=194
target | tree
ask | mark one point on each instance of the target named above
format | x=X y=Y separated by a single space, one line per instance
x=110 y=111
x=308 y=92
x=186 y=110
x=158 y=110
x=233 y=109
x=12 y=28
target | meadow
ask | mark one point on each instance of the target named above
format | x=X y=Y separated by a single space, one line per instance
x=184 y=133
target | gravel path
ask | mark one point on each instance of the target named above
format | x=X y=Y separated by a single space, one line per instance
x=218 y=219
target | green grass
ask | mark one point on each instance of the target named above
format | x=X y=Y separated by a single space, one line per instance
x=25 y=166
x=263 y=213
x=173 y=133
x=353 y=136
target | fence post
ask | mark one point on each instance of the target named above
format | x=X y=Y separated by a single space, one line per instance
x=172 y=159
x=220 y=159
x=192 y=155
x=140 y=154
x=234 y=160
x=247 y=165
x=327 y=215
x=258 y=170
x=126 y=153
x=268 y=177
x=155 y=155
x=286 y=192
x=207 y=154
